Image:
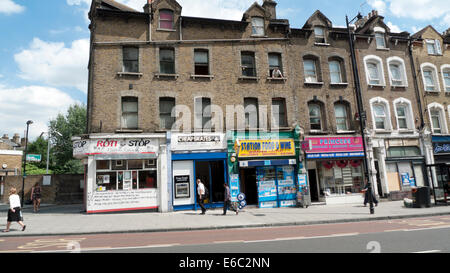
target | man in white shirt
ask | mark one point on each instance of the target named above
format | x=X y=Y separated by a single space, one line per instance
x=201 y=195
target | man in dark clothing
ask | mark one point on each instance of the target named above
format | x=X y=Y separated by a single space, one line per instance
x=227 y=198
x=366 y=196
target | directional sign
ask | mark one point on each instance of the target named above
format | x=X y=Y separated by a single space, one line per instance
x=34 y=158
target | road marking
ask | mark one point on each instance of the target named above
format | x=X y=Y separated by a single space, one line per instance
x=228 y=242
x=428 y=251
x=111 y=248
x=304 y=238
x=44 y=243
x=418 y=229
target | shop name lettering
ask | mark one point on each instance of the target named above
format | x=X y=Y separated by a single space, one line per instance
x=199 y=139
x=130 y=143
x=441 y=148
x=266 y=146
x=336 y=141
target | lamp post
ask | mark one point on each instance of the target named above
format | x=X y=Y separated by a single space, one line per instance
x=25 y=162
x=361 y=113
x=48 y=145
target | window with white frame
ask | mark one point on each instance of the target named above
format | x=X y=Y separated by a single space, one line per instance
x=130 y=59
x=341 y=113
x=315 y=116
x=336 y=71
x=404 y=115
x=437 y=118
x=374 y=70
x=310 y=66
x=319 y=33
x=257 y=26
x=201 y=62
x=434 y=47
x=380 y=114
x=430 y=79
x=397 y=72
x=446 y=77
x=129 y=113
x=380 y=40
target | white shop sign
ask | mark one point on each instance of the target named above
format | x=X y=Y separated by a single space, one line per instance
x=109 y=201
x=83 y=148
x=198 y=141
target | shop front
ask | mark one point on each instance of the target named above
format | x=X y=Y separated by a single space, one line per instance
x=198 y=156
x=266 y=165
x=441 y=168
x=123 y=172
x=335 y=169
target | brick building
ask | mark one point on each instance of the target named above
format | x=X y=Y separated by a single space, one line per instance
x=173 y=98
x=10 y=158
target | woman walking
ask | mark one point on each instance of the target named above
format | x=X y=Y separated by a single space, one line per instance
x=36 y=196
x=14 y=213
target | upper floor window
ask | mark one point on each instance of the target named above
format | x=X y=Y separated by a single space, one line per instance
x=248 y=64
x=374 y=70
x=446 y=77
x=397 y=73
x=251 y=113
x=279 y=117
x=381 y=115
x=315 y=116
x=311 y=71
x=166 y=19
x=430 y=79
x=404 y=115
x=437 y=118
x=130 y=59
x=380 y=40
x=201 y=62
x=319 y=35
x=167 y=60
x=257 y=26
x=336 y=69
x=166 y=104
x=275 y=65
x=341 y=113
x=203 y=114
x=129 y=113
x=434 y=47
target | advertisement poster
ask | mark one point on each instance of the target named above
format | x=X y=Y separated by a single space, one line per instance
x=234 y=187
x=182 y=186
x=267 y=187
x=286 y=186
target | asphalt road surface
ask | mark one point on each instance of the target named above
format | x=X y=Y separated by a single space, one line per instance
x=413 y=235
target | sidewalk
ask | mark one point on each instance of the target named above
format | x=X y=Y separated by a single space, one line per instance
x=69 y=220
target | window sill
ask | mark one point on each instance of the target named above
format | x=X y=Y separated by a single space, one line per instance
x=317 y=132
x=314 y=83
x=136 y=74
x=437 y=55
x=321 y=44
x=399 y=86
x=383 y=49
x=123 y=131
x=433 y=92
x=276 y=78
x=162 y=75
x=405 y=131
x=258 y=36
x=166 y=29
x=247 y=78
x=381 y=131
x=210 y=77
x=377 y=86
x=342 y=132
x=339 y=84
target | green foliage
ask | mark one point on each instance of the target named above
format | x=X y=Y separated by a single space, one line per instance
x=34 y=169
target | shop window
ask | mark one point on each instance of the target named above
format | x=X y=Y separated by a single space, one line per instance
x=130 y=59
x=279 y=117
x=257 y=26
x=203 y=115
x=275 y=65
x=166 y=104
x=167 y=61
x=251 y=113
x=201 y=62
x=248 y=64
x=403 y=151
x=341 y=177
x=341 y=113
x=319 y=35
x=126 y=174
x=166 y=19
x=129 y=112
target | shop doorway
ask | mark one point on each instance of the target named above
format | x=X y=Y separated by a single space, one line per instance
x=313 y=185
x=249 y=186
x=211 y=173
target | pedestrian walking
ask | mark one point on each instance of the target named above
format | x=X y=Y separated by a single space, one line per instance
x=227 y=199
x=201 y=192
x=36 y=196
x=366 y=195
x=14 y=212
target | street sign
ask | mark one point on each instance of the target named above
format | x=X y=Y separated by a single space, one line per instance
x=34 y=158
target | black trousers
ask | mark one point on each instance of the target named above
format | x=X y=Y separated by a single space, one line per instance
x=226 y=204
x=366 y=198
x=200 y=203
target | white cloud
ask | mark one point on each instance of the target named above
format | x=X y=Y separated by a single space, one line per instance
x=9 y=7
x=379 y=5
x=394 y=28
x=54 y=64
x=36 y=103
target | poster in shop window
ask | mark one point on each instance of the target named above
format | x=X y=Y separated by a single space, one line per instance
x=234 y=187
x=287 y=191
x=267 y=187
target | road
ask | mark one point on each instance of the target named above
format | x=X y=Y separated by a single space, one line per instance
x=413 y=235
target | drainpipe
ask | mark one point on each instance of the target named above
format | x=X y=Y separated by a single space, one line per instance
x=416 y=85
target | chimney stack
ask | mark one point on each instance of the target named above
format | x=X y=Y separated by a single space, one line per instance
x=5 y=136
x=147 y=7
x=270 y=7
x=16 y=139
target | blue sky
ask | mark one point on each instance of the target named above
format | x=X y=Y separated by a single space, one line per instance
x=45 y=45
